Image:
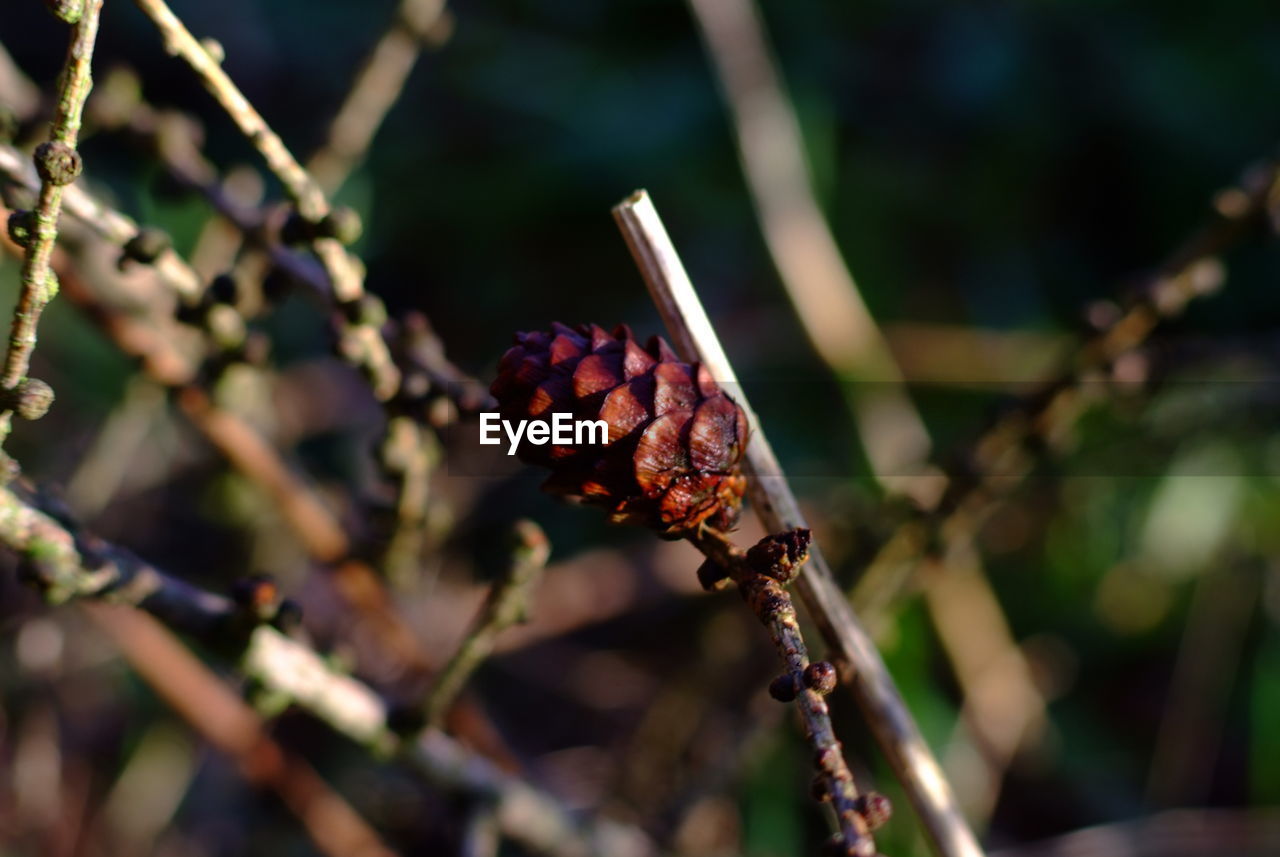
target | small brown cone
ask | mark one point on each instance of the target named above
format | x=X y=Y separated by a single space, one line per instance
x=675 y=439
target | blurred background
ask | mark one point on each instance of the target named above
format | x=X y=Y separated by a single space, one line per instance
x=999 y=177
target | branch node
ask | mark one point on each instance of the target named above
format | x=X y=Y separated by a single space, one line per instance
x=342 y=223
x=30 y=400
x=22 y=227
x=780 y=555
x=214 y=49
x=820 y=677
x=262 y=603
x=58 y=163
x=874 y=808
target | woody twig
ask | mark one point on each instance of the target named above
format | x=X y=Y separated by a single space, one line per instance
x=776 y=506
x=377 y=87
x=507 y=604
x=66 y=564
x=360 y=340
x=1001 y=456
x=58 y=164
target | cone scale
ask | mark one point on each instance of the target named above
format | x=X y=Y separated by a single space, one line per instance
x=672 y=457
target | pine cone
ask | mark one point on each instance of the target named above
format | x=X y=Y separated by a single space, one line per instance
x=675 y=438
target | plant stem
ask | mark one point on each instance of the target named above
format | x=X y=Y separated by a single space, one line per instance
x=221 y=718
x=38 y=285
x=813 y=274
x=775 y=504
x=772 y=605
x=997 y=460
x=179 y=41
x=360 y=343
x=114 y=226
x=507 y=604
x=66 y=563
x=375 y=90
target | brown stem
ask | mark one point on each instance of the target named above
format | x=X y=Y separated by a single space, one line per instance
x=507 y=604
x=813 y=274
x=360 y=342
x=316 y=527
x=67 y=564
x=997 y=460
x=226 y=722
x=775 y=504
x=375 y=90
x=772 y=605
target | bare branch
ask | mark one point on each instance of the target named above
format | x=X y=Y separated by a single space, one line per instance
x=507 y=604
x=776 y=506
x=179 y=42
x=316 y=527
x=999 y=458
x=58 y=163
x=376 y=89
x=360 y=342
x=804 y=682
x=823 y=292
x=225 y=721
x=112 y=225
x=66 y=564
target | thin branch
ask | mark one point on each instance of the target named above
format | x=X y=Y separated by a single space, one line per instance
x=376 y=88
x=1001 y=455
x=360 y=342
x=64 y=567
x=836 y=319
x=822 y=290
x=409 y=454
x=179 y=42
x=1003 y=710
x=162 y=357
x=318 y=530
x=507 y=605
x=224 y=720
x=112 y=225
x=804 y=682
x=776 y=506
x=415 y=349
x=65 y=564
x=168 y=134
x=315 y=526
x=59 y=164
